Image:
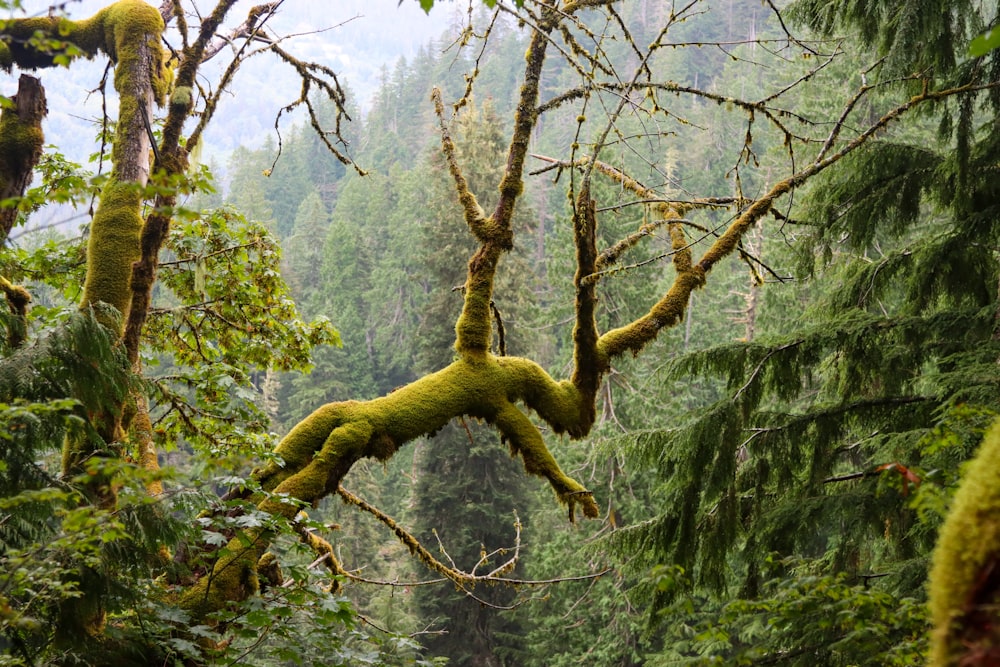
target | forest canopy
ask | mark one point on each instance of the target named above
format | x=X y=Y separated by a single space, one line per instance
x=722 y=275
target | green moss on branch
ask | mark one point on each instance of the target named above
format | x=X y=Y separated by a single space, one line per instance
x=112 y=248
x=349 y=431
x=474 y=328
x=669 y=310
x=964 y=584
x=115 y=30
x=378 y=428
x=317 y=454
x=129 y=32
x=525 y=440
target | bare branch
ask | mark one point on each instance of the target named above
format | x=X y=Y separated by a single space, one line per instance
x=247 y=30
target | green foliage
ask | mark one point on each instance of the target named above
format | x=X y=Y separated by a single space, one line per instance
x=78 y=359
x=54 y=548
x=229 y=316
x=593 y=619
x=227 y=281
x=984 y=43
x=912 y=35
x=222 y=290
x=801 y=619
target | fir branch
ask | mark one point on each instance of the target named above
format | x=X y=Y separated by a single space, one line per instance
x=760 y=366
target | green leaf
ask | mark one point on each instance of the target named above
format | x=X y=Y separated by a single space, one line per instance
x=183 y=646
x=985 y=43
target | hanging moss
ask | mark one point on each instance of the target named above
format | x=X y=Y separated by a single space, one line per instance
x=965 y=577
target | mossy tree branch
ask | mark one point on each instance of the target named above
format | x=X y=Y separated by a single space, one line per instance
x=964 y=585
x=669 y=310
x=18 y=299
x=494 y=233
x=461 y=579
x=475 y=217
x=171 y=161
x=127 y=31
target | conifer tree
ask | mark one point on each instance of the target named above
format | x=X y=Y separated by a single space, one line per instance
x=304 y=250
x=820 y=478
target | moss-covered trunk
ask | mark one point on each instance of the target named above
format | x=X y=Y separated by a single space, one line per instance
x=129 y=32
x=965 y=575
x=21 y=140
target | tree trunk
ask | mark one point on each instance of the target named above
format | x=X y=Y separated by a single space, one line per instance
x=21 y=142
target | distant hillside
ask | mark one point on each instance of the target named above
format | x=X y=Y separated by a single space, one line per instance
x=355 y=38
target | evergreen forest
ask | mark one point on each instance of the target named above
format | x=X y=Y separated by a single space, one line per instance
x=608 y=333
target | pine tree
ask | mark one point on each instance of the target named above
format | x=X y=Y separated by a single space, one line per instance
x=304 y=250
